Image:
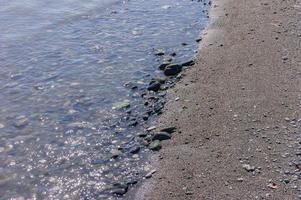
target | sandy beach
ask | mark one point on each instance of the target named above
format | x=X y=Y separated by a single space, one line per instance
x=237 y=110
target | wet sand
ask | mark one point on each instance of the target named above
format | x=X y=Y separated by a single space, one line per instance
x=237 y=110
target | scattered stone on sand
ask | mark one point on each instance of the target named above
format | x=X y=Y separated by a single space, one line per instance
x=170 y=130
x=150 y=174
x=287 y=119
x=161 y=136
x=188 y=192
x=172 y=69
x=155 y=145
x=272 y=185
x=240 y=179
x=248 y=167
x=21 y=121
x=188 y=63
x=1 y=126
x=298 y=165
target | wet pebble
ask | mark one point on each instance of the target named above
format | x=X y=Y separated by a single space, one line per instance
x=150 y=174
x=154 y=86
x=115 y=153
x=173 y=54
x=133 y=123
x=155 y=145
x=159 y=52
x=141 y=134
x=198 y=40
x=119 y=189
x=151 y=128
x=21 y=121
x=132 y=182
x=135 y=150
x=164 y=65
x=158 y=106
x=122 y=104
x=172 y=70
x=188 y=63
x=161 y=136
x=145 y=117
x=170 y=130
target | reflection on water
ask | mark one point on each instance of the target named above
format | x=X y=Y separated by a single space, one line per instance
x=63 y=64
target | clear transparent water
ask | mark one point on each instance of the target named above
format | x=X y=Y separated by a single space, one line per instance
x=63 y=64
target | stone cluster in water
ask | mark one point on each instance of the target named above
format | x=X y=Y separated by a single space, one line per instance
x=153 y=100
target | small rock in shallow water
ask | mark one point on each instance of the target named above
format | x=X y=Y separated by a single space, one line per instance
x=133 y=123
x=164 y=65
x=120 y=190
x=155 y=145
x=162 y=136
x=115 y=153
x=160 y=79
x=166 y=7
x=121 y=105
x=158 y=107
x=141 y=134
x=145 y=117
x=159 y=52
x=173 y=54
x=198 y=40
x=80 y=125
x=135 y=149
x=151 y=128
x=155 y=86
x=21 y=121
x=132 y=182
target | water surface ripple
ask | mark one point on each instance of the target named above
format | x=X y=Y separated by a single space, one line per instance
x=63 y=64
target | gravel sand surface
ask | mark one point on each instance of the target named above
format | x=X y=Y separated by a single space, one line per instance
x=237 y=110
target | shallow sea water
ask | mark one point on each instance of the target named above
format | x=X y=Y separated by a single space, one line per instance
x=63 y=66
